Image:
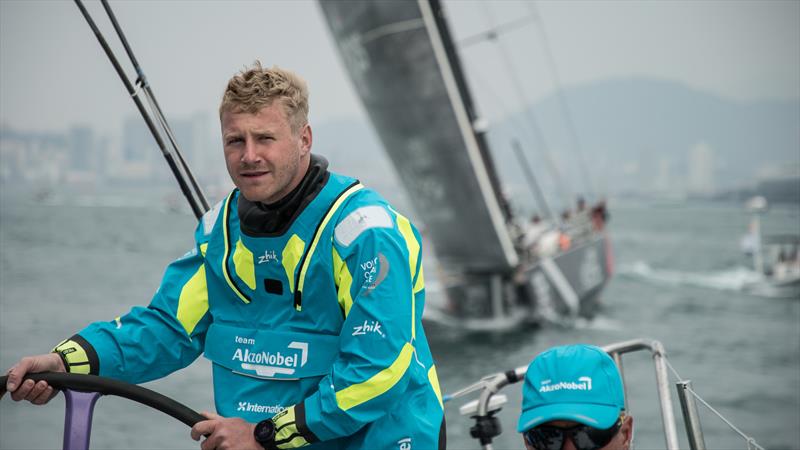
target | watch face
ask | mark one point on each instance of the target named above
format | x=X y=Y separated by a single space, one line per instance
x=265 y=431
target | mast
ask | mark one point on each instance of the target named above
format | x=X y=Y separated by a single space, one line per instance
x=469 y=105
x=534 y=186
x=462 y=104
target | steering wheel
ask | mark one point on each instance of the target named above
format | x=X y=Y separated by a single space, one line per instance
x=82 y=391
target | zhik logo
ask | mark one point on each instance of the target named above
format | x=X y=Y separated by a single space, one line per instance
x=368 y=327
x=269 y=255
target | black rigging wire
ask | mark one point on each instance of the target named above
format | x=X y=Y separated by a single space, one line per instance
x=521 y=128
x=154 y=106
x=177 y=164
x=494 y=33
x=568 y=120
x=532 y=121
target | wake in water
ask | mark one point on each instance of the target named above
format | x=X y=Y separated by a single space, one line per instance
x=599 y=322
x=733 y=279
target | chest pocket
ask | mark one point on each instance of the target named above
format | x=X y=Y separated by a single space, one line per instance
x=270 y=354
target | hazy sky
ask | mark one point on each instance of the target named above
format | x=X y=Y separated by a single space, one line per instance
x=54 y=74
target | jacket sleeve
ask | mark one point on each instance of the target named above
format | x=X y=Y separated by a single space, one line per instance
x=148 y=342
x=376 y=260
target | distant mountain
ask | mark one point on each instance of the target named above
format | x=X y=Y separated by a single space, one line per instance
x=637 y=134
x=644 y=135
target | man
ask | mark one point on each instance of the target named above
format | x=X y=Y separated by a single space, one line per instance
x=573 y=399
x=582 y=221
x=305 y=290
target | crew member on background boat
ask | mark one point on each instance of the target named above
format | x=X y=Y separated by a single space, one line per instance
x=582 y=221
x=573 y=398
x=599 y=215
x=536 y=228
x=304 y=289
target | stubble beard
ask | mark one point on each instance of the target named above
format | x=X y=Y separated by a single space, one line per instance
x=272 y=190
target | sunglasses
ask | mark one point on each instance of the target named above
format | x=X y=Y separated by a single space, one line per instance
x=584 y=437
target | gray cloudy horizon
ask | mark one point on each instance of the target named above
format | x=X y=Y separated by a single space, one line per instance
x=53 y=73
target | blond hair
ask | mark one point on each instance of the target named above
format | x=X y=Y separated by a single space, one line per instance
x=255 y=87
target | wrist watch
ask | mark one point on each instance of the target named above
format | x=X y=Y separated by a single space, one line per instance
x=264 y=433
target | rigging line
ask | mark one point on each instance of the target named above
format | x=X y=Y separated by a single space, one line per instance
x=155 y=107
x=534 y=124
x=183 y=167
x=750 y=440
x=534 y=186
x=168 y=156
x=452 y=71
x=674 y=372
x=565 y=110
x=514 y=121
x=493 y=33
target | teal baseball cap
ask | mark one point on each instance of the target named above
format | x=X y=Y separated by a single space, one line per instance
x=580 y=383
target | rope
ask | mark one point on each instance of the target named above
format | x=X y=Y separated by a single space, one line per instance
x=565 y=109
x=751 y=443
x=533 y=123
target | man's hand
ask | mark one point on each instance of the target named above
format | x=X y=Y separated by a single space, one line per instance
x=37 y=393
x=225 y=433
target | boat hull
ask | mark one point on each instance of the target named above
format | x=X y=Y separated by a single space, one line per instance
x=775 y=289
x=562 y=287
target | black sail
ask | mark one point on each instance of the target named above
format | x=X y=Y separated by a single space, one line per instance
x=406 y=72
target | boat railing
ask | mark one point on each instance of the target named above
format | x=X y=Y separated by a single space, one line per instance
x=488 y=403
x=82 y=391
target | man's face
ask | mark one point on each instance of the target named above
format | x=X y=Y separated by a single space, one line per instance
x=264 y=158
x=620 y=441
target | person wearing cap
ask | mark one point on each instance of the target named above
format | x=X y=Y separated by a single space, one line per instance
x=573 y=399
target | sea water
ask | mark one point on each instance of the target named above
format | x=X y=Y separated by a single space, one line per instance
x=64 y=263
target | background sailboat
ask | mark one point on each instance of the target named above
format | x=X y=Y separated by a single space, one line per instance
x=406 y=70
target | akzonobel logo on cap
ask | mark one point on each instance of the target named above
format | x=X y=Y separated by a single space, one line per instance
x=583 y=384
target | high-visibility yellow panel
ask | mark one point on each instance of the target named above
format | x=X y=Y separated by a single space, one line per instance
x=225 y=273
x=193 y=301
x=287 y=435
x=243 y=264
x=290 y=257
x=321 y=227
x=434 y=380
x=411 y=243
x=420 y=284
x=379 y=383
x=344 y=280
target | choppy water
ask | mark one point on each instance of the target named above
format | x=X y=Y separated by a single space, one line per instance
x=678 y=274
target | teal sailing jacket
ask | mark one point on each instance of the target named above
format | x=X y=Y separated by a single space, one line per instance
x=319 y=326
